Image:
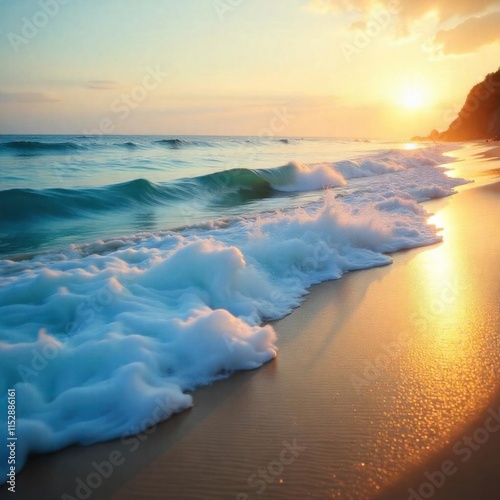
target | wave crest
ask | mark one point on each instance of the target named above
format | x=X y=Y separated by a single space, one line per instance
x=39 y=147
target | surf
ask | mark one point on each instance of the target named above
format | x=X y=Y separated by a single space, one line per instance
x=39 y=147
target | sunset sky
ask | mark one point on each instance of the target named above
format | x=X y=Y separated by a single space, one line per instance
x=357 y=68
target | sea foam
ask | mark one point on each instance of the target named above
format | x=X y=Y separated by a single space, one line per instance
x=101 y=341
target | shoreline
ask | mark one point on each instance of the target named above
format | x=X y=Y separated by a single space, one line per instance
x=310 y=395
x=358 y=443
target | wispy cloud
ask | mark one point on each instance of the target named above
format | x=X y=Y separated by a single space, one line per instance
x=469 y=35
x=27 y=97
x=102 y=85
x=408 y=11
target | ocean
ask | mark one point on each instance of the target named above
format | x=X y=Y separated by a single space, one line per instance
x=63 y=190
x=134 y=269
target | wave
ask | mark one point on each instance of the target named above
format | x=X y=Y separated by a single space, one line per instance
x=39 y=147
x=183 y=143
x=299 y=177
x=93 y=142
x=129 y=145
x=223 y=188
x=23 y=204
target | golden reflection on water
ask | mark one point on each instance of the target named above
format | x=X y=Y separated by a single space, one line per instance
x=450 y=361
x=411 y=145
x=446 y=373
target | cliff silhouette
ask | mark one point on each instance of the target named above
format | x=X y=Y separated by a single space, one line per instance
x=479 y=117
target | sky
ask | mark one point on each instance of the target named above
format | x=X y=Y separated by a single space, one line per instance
x=336 y=68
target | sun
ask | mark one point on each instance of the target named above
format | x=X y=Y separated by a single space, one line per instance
x=412 y=97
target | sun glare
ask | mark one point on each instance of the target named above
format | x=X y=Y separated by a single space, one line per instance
x=412 y=97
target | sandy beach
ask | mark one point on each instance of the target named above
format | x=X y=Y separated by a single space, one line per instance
x=382 y=378
x=250 y=250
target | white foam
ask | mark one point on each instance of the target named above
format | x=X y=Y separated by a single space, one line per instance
x=97 y=345
x=309 y=177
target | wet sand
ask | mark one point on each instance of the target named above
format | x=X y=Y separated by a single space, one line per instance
x=379 y=376
x=494 y=152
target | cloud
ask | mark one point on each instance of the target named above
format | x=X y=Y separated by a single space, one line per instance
x=102 y=85
x=469 y=35
x=408 y=11
x=27 y=97
x=445 y=10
